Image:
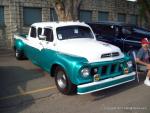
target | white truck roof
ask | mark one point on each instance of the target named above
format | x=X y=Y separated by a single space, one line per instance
x=58 y=24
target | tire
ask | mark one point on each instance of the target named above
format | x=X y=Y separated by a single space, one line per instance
x=18 y=54
x=63 y=83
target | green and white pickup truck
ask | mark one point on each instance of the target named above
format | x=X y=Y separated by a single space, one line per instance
x=69 y=52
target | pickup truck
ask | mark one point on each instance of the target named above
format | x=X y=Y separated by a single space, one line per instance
x=69 y=52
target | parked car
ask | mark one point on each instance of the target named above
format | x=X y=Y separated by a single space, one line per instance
x=125 y=36
x=70 y=52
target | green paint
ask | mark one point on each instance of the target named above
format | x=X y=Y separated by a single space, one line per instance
x=46 y=58
x=19 y=44
x=104 y=85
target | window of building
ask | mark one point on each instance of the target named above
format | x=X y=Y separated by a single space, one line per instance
x=33 y=32
x=49 y=34
x=85 y=16
x=53 y=15
x=1 y=16
x=133 y=19
x=121 y=17
x=31 y=15
x=103 y=16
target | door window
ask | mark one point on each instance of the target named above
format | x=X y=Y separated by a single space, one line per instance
x=33 y=32
x=49 y=34
x=107 y=30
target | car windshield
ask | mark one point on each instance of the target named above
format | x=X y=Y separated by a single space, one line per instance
x=73 y=32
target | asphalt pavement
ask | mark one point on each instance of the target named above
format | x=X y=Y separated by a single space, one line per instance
x=25 y=88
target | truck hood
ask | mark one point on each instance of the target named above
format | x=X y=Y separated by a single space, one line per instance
x=90 y=49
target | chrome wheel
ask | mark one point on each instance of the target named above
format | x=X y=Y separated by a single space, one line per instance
x=61 y=80
x=17 y=53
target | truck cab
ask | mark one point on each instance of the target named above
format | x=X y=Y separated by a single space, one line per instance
x=70 y=52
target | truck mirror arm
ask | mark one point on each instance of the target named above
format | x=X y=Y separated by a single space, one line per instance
x=42 y=37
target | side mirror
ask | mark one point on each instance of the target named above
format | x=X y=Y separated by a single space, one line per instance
x=42 y=37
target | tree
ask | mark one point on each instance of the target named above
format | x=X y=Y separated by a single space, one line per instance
x=67 y=9
x=144 y=7
x=144 y=10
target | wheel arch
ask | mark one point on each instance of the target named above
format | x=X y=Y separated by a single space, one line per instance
x=52 y=70
x=54 y=66
x=69 y=87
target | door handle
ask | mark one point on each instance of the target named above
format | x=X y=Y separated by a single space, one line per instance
x=54 y=44
x=40 y=43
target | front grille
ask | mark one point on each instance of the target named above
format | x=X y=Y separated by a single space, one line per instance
x=106 y=55
x=113 y=68
x=110 y=70
x=114 y=54
x=104 y=70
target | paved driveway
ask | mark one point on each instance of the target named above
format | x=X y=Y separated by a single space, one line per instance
x=25 y=88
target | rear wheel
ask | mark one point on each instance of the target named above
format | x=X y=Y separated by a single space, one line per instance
x=63 y=83
x=18 y=54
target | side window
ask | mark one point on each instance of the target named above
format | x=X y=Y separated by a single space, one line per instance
x=33 y=32
x=98 y=29
x=107 y=30
x=49 y=34
x=134 y=37
x=39 y=31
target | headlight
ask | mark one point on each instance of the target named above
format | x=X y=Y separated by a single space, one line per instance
x=85 y=72
x=129 y=63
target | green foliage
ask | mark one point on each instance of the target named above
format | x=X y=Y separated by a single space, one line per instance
x=144 y=10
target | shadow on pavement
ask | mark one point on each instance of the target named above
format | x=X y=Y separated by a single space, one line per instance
x=13 y=80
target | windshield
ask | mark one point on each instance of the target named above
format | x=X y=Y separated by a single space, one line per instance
x=73 y=32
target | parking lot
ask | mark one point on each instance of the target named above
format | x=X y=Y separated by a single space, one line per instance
x=25 y=88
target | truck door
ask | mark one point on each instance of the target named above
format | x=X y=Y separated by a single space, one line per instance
x=32 y=47
x=48 y=51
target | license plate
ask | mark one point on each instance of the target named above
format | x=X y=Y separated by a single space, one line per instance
x=96 y=77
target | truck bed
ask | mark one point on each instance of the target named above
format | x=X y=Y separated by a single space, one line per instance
x=20 y=36
x=23 y=35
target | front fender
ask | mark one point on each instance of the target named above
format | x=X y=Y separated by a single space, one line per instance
x=72 y=65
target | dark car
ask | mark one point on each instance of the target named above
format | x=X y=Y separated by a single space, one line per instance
x=125 y=36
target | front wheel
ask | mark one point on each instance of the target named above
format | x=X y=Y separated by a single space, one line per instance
x=63 y=83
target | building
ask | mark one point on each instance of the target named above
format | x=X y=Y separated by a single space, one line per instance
x=18 y=15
